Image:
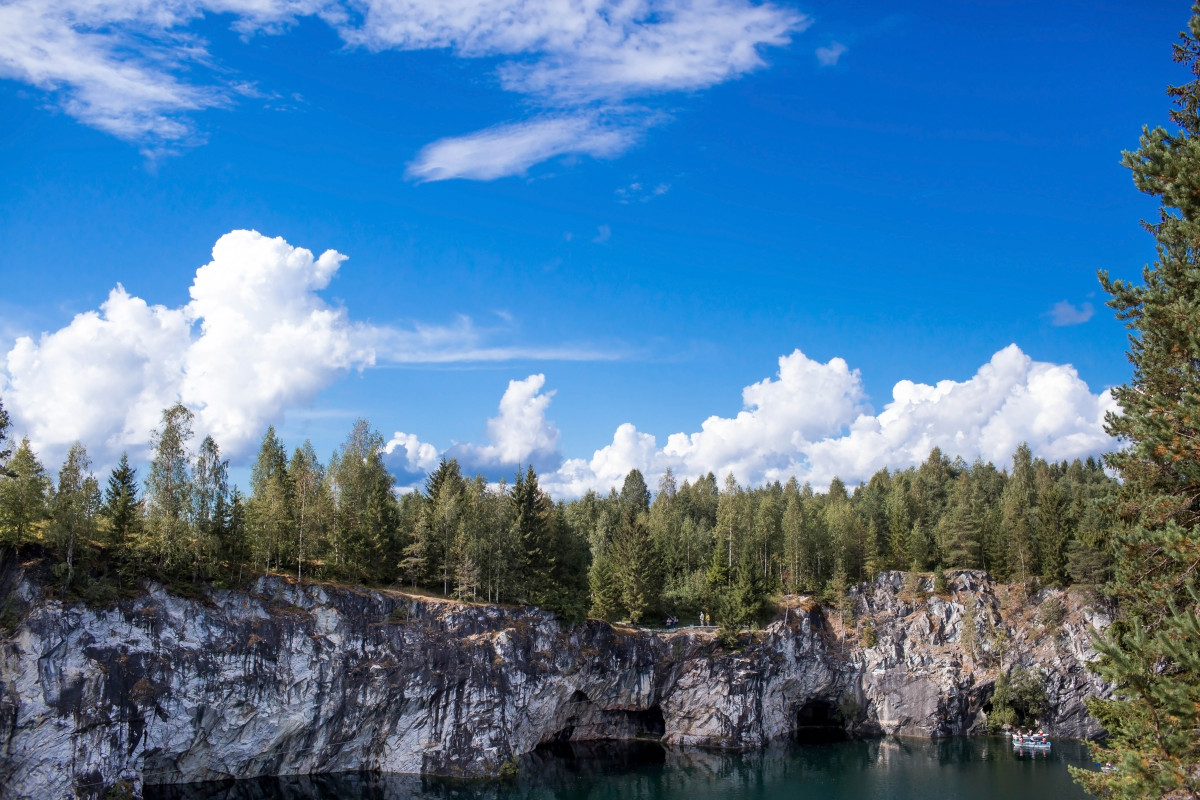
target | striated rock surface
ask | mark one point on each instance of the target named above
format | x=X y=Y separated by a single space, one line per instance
x=291 y=679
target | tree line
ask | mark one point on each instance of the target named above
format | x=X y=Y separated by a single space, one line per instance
x=633 y=554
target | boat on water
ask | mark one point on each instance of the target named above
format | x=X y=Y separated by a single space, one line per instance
x=1034 y=741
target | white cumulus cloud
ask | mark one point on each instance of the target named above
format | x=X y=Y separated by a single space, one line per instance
x=255 y=339
x=137 y=69
x=520 y=433
x=813 y=422
x=408 y=454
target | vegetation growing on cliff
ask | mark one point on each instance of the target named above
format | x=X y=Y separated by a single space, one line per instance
x=1152 y=652
x=1019 y=700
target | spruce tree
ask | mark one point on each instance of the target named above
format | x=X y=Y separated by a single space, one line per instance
x=269 y=509
x=23 y=496
x=634 y=492
x=634 y=563
x=530 y=511
x=122 y=508
x=602 y=580
x=900 y=521
x=1152 y=652
x=444 y=490
x=960 y=531
x=748 y=597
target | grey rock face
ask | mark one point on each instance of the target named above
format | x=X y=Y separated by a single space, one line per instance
x=935 y=662
x=291 y=679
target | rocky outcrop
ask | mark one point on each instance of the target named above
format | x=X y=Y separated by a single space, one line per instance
x=290 y=679
x=933 y=665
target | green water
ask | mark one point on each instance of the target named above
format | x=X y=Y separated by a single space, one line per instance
x=881 y=769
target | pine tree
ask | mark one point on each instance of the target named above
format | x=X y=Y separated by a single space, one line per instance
x=571 y=566
x=1016 y=504
x=1152 y=652
x=717 y=578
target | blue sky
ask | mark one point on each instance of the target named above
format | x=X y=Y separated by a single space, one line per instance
x=649 y=204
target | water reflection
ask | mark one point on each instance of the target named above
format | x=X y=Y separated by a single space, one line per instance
x=891 y=769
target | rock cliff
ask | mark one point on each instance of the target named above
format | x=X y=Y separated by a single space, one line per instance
x=289 y=679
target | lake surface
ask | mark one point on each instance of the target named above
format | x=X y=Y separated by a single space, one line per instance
x=880 y=769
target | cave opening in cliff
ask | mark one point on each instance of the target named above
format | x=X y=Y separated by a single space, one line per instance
x=819 y=721
x=650 y=723
x=585 y=722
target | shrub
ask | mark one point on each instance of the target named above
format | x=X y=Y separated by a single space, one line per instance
x=914 y=585
x=1051 y=612
x=729 y=635
x=868 y=634
x=940 y=585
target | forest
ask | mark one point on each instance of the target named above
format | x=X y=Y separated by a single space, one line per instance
x=700 y=544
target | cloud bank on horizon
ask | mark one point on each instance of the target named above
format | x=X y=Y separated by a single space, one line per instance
x=255 y=339
x=812 y=421
x=130 y=67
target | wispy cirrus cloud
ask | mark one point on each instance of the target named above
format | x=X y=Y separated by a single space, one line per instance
x=512 y=149
x=138 y=70
x=637 y=192
x=255 y=340
x=828 y=56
